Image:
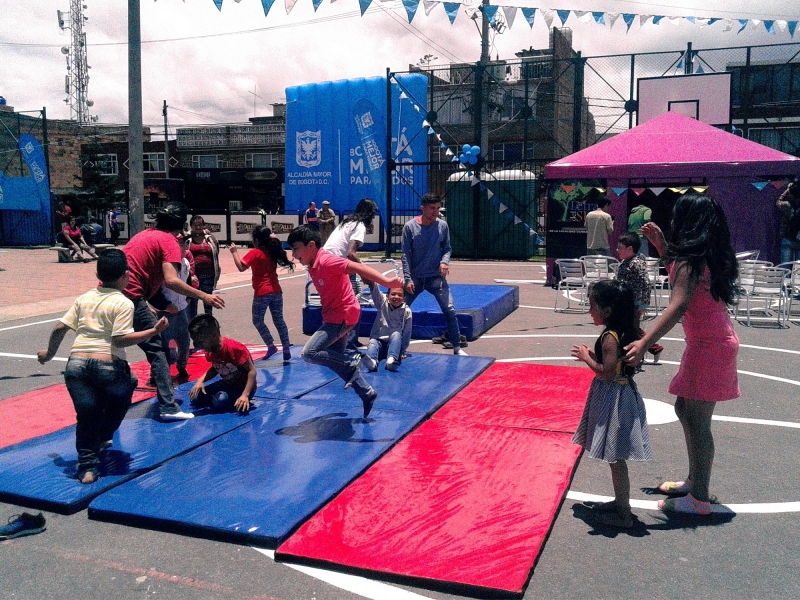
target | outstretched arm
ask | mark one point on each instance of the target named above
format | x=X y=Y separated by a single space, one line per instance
x=368 y=273
x=56 y=337
x=235 y=253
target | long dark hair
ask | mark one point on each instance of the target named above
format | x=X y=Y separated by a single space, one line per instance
x=364 y=213
x=619 y=297
x=701 y=238
x=262 y=238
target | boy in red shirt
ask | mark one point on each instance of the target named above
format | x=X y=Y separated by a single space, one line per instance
x=230 y=360
x=340 y=310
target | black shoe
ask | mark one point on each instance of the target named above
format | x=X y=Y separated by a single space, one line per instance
x=463 y=344
x=440 y=339
x=355 y=373
x=24 y=524
x=369 y=401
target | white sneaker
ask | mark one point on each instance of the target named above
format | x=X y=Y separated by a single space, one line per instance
x=391 y=364
x=460 y=352
x=178 y=416
x=369 y=363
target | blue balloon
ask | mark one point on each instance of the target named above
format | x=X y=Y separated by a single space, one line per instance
x=476 y=150
x=472 y=159
x=465 y=148
x=463 y=158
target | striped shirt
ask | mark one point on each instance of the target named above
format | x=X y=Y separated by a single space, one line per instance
x=96 y=317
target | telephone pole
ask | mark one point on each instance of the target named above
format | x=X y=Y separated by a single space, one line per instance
x=166 y=142
x=135 y=142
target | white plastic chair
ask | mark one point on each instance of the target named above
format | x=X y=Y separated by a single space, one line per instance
x=572 y=278
x=658 y=282
x=748 y=255
x=791 y=285
x=598 y=266
x=768 y=287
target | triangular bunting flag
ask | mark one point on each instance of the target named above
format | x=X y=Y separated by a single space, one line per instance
x=443 y=145
x=599 y=18
x=289 y=5
x=657 y=190
x=530 y=15
x=267 y=4
x=699 y=70
x=481 y=186
x=637 y=191
x=517 y=220
x=675 y=21
x=611 y=18
x=770 y=27
x=628 y=18
x=619 y=191
x=712 y=21
x=403 y=96
x=490 y=12
x=690 y=19
x=503 y=208
x=700 y=189
x=451 y=8
x=449 y=152
x=679 y=190
x=411 y=8
x=429 y=6
x=475 y=181
x=568 y=188
x=563 y=15
x=548 y=15
x=657 y=19
x=526 y=226
x=728 y=24
x=754 y=23
x=792 y=25
x=760 y=185
x=455 y=159
x=364 y=4
x=781 y=25
x=431 y=131
x=584 y=189
x=416 y=108
x=584 y=16
x=219 y=4
x=743 y=23
x=316 y=4
x=511 y=13
x=778 y=184
x=489 y=193
x=601 y=190
x=425 y=123
x=643 y=19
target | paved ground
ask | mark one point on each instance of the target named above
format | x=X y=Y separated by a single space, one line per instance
x=749 y=549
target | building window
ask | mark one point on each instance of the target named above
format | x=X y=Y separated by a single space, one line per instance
x=208 y=161
x=785 y=139
x=511 y=152
x=106 y=164
x=154 y=162
x=266 y=160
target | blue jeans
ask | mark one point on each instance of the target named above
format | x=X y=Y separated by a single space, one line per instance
x=328 y=347
x=386 y=348
x=153 y=348
x=220 y=396
x=275 y=304
x=790 y=250
x=178 y=330
x=207 y=286
x=101 y=392
x=441 y=291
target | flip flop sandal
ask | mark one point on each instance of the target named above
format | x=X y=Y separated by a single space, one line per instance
x=675 y=487
x=686 y=504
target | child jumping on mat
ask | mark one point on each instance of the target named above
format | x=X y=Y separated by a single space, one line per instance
x=265 y=258
x=230 y=360
x=98 y=377
x=613 y=427
x=340 y=310
x=391 y=331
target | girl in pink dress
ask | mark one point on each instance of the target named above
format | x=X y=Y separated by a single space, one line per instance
x=703 y=272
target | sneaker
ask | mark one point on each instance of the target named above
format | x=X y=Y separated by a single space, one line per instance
x=439 y=339
x=24 y=524
x=370 y=363
x=460 y=352
x=463 y=343
x=355 y=373
x=271 y=349
x=177 y=416
x=183 y=376
x=150 y=383
x=392 y=365
x=369 y=401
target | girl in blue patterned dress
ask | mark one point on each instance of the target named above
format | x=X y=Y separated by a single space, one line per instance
x=613 y=427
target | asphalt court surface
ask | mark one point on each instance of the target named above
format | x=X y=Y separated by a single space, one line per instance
x=749 y=547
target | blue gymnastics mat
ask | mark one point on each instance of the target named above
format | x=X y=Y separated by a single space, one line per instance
x=260 y=482
x=40 y=473
x=422 y=384
x=478 y=307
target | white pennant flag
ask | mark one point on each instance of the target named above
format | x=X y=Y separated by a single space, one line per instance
x=675 y=20
x=657 y=190
x=489 y=193
x=643 y=19
x=548 y=16
x=517 y=220
x=429 y=6
x=754 y=23
x=425 y=123
x=503 y=208
x=728 y=24
x=611 y=18
x=475 y=180
x=782 y=25
x=584 y=16
x=511 y=13
x=449 y=152
x=289 y=5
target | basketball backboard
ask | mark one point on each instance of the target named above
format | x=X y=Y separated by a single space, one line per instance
x=705 y=97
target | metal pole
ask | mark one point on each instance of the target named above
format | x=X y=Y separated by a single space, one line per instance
x=46 y=145
x=390 y=165
x=135 y=145
x=166 y=143
x=577 y=105
x=481 y=111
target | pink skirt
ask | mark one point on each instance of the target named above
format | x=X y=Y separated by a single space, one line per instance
x=708 y=371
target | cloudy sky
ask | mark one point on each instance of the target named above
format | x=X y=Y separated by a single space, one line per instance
x=207 y=64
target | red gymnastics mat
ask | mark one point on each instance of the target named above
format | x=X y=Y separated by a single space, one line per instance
x=459 y=505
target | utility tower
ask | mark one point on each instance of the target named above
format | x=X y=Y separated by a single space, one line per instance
x=76 y=83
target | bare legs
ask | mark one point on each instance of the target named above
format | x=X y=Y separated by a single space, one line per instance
x=695 y=418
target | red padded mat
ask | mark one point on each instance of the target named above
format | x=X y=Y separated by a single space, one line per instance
x=522 y=395
x=462 y=505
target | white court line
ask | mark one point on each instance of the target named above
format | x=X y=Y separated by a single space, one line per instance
x=250 y=284
x=756 y=507
x=375 y=590
x=10 y=355
x=29 y=324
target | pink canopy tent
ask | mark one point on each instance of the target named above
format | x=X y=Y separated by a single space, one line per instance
x=674 y=150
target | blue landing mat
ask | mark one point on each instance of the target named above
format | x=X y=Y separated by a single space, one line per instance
x=40 y=473
x=422 y=384
x=478 y=307
x=260 y=482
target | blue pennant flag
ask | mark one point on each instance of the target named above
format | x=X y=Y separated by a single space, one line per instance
x=219 y=4
x=619 y=191
x=599 y=18
x=563 y=15
x=680 y=63
x=490 y=11
x=483 y=187
x=451 y=8
x=267 y=4
x=760 y=185
x=792 y=26
x=444 y=145
x=411 y=8
x=690 y=19
x=530 y=15
x=770 y=26
x=712 y=21
x=743 y=23
x=455 y=159
x=657 y=18
x=431 y=131
x=699 y=70
x=364 y=5
x=316 y=4
x=628 y=18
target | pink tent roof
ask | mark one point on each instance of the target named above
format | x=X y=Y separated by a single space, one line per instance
x=673 y=145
